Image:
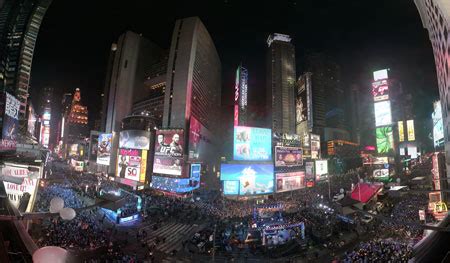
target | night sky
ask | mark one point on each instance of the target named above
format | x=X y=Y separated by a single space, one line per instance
x=74 y=40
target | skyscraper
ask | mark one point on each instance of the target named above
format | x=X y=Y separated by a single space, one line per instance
x=193 y=88
x=280 y=83
x=19 y=26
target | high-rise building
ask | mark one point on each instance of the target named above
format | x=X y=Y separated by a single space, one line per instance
x=75 y=126
x=19 y=27
x=193 y=89
x=45 y=110
x=281 y=78
x=129 y=61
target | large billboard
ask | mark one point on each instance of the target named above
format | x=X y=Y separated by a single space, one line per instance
x=132 y=164
x=199 y=140
x=385 y=139
x=315 y=146
x=10 y=122
x=381 y=173
x=380 y=90
x=288 y=156
x=321 y=169
x=252 y=144
x=134 y=139
x=309 y=174
x=178 y=185
x=380 y=74
x=401 y=132
x=254 y=179
x=290 y=181
x=410 y=130
x=438 y=125
x=31 y=121
x=93 y=147
x=169 y=152
x=301 y=111
x=382 y=113
x=104 y=148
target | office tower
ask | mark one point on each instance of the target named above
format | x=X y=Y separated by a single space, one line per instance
x=128 y=63
x=281 y=77
x=354 y=110
x=75 y=125
x=193 y=89
x=19 y=27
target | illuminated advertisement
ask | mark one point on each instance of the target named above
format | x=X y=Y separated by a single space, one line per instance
x=73 y=149
x=321 y=169
x=380 y=74
x=315 y=146
x=132 y=164
x=401 y=132
x=385 y=139
x=288 y=156
x=382 y=113
x=178 y=185
x=31 y=122
x=380 y=173
x=231 y=187
x=252 y=144
x=438 y=125
x=410 y=130
x=301 y=110
x=199 y=139
x=435 y=171
x=402 y=151
x=236 y=98
x=93 y=147
x=253 y=179
x=290 y=181
x=169 y=152
x=134 y=139
x=10 y=122
x=104 y=148
x=412 y=151
x=309 y=174
x=380 y=90
x=380 y=160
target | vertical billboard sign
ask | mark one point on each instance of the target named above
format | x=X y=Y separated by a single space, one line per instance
x=131 y=164
x=31 y=122
x=169 y=152
x=410 y=130
x=438 y=125
x=10 y=122
x=236 y=98
x=401 y=132
x=104 y=148
x=385 y=139
x=380 y=90
x=93 y=147
x=309 y=174
x=301 y=103
x=252 y=144
x=315 y=146
x=383 y=113
x=321 y=169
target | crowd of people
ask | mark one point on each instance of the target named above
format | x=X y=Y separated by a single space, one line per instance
x=379 y=250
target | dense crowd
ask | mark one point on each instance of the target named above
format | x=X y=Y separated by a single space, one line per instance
x=380 y=250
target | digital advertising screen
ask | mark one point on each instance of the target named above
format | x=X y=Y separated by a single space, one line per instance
x=134 y=139
x=380 y=90
x=385 y=139
x=401 y=132
x=93 y=147
x=10 y=122
x=309 y=174
x=254 y=179
x=321 y=167
x=412 y=151
x=178 y=185
x=132 y=164
x=380 y=74
x=380 y=173
x=315 y=146
x=31 y=121
x=231 y=187
x=104 y=148
x=301 y=109
x=288 y=156
x=290 y=181
x=252 y=144
x=382 y=111
x=410 y=130
x=169 y=152
x=438 y=125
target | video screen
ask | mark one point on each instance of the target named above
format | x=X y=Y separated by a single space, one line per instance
x=321 y=169
x=252 y=144
x=377 y=173
x=178 y=185
x=385 y=139
x=132 y=164
x=134 y=139
x=104 y=148
x=169 y=152
x=382 y=113
x=288 y=156
x=290 y=181
x=10 y=122
x=253 y=179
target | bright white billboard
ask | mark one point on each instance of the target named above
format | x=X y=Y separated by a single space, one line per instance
x=382 y=111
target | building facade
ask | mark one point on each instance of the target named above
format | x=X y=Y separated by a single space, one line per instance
x=20 y=21
x=281 y=77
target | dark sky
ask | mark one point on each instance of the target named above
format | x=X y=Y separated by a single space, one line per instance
x=73 y=44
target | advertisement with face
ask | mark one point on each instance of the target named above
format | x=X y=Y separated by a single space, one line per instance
x=288 y=156
x=383 y=113
x=10 y=122
x=321 y=169
x=131 y=164
x=169 y=152
x=315 y=146
x=104 y=148
x=252 y=144
x=253 y=179
x=290 y=181
x=28 y=187
x=134 y=139
x=385 y=139
x=301 y=103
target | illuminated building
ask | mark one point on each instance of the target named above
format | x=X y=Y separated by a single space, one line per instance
x=75 y=128
x=45 y=109
x=281 y=77
x=193 y=90
x=19 y=27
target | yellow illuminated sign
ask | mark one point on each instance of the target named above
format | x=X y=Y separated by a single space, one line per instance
x=143 y=166
x=410 y=130
x=401 y=132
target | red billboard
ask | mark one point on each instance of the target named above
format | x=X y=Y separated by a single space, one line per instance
x=169 y=152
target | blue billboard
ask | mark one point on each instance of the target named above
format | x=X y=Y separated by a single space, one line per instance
x=178 y=185
x=252 y=144
x=252 y=179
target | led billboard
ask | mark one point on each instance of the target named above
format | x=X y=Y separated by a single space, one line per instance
x=31 y=121
x=132 y=164
x=321 y=169
x=10 y=122
x=438 y=125
x=301 y=109
x=253 y=179
x=315 y=146
x=288 y=156
x=309 y=173
x=134 y=139
x=401 y=132
x=410 y=130
x=290 y=181
x=104 y=148
x=169 y=152
x=178 y=185
x=381 y=173
x=380 y=90
x=231 y=187
x=380 y=74
x=252 y=144
x=382 y=113
x=385 y=139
